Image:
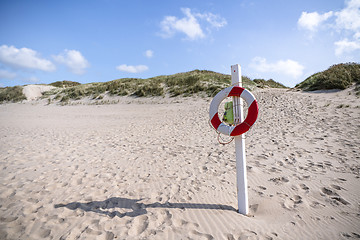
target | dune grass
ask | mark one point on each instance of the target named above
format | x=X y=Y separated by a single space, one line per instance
x=197 y=82
x=203 y=82
x=64 y=84
x=340 y=76
x=120 y=87
x=11 y=94
x=262 y=83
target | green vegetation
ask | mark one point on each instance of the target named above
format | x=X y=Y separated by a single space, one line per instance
x=185 y=84
x=121 y=87
x=196 y=82
x=357 y=90
x=64 y=84
x=338 y=76
x=262 y=83
x=11 y=94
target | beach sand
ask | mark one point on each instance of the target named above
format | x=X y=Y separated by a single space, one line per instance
x=153 y=169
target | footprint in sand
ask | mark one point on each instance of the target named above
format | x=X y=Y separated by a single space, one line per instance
x=246 y=234
x=161 y=218
x=292 y=202
x=191 y=229
x=333 y=196
x=328 y=191
x=199 y=235
x=175 y=189
x=274 y=170
x=335 y=187
x=109 y=235
x=316 y=204
x=304 y=187
x=44 y=233
x=182 y=223
x=279 y=180
x=139 y=225
x=8 y=219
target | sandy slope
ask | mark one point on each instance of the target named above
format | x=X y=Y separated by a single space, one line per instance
x=156 y=171
x=33 y=92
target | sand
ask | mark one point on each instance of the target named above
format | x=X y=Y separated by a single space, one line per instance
x=153 y=169
x=34 y=92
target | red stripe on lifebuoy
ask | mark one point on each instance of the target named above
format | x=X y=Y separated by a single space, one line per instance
x=243 y=127
x=249 y=121
x=215 y=121
x=240 y=129
x=236 y=91
x=252 y=113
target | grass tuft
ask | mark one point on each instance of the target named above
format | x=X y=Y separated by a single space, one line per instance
x=340 y=76
x=64 y=84
x=262 y=83
x=12 y=94
x=196 y=82
x=180 y=84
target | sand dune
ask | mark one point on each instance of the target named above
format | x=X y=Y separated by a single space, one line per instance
x=33 y=92
x=154 y=170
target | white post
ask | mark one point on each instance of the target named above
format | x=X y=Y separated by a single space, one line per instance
x=241 y=178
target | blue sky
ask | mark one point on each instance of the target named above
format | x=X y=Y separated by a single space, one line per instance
x=95 y=41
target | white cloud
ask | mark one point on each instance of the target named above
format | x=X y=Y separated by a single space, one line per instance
x=189 y=25
x=349 y=17
x=214 y=20
x=346 y=22
x=74 y=60
x=357 y=36
x=345 y=19
x=149 y=53
x=7 y=75
x=311 y=21
x=287 y=67
x=346 y=46
x=132 y=69
x=24 y=58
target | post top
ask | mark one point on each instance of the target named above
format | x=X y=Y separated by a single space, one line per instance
x=236 y=75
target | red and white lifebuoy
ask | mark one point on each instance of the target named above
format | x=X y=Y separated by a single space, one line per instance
x=250 y=119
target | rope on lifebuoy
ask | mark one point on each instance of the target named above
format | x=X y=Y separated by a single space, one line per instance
x=253 y=110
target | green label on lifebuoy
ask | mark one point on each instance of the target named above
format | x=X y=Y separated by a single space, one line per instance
x=229 y=114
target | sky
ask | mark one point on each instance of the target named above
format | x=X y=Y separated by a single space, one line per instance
x=96 y=41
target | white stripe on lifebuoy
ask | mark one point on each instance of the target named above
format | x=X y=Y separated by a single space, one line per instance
x=250 y=119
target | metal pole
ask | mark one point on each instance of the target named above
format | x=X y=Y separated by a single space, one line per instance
x=241 y=178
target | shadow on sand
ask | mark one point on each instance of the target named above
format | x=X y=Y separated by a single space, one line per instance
x=108 y=206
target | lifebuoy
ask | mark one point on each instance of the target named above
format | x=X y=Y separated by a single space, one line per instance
x=250 y=119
